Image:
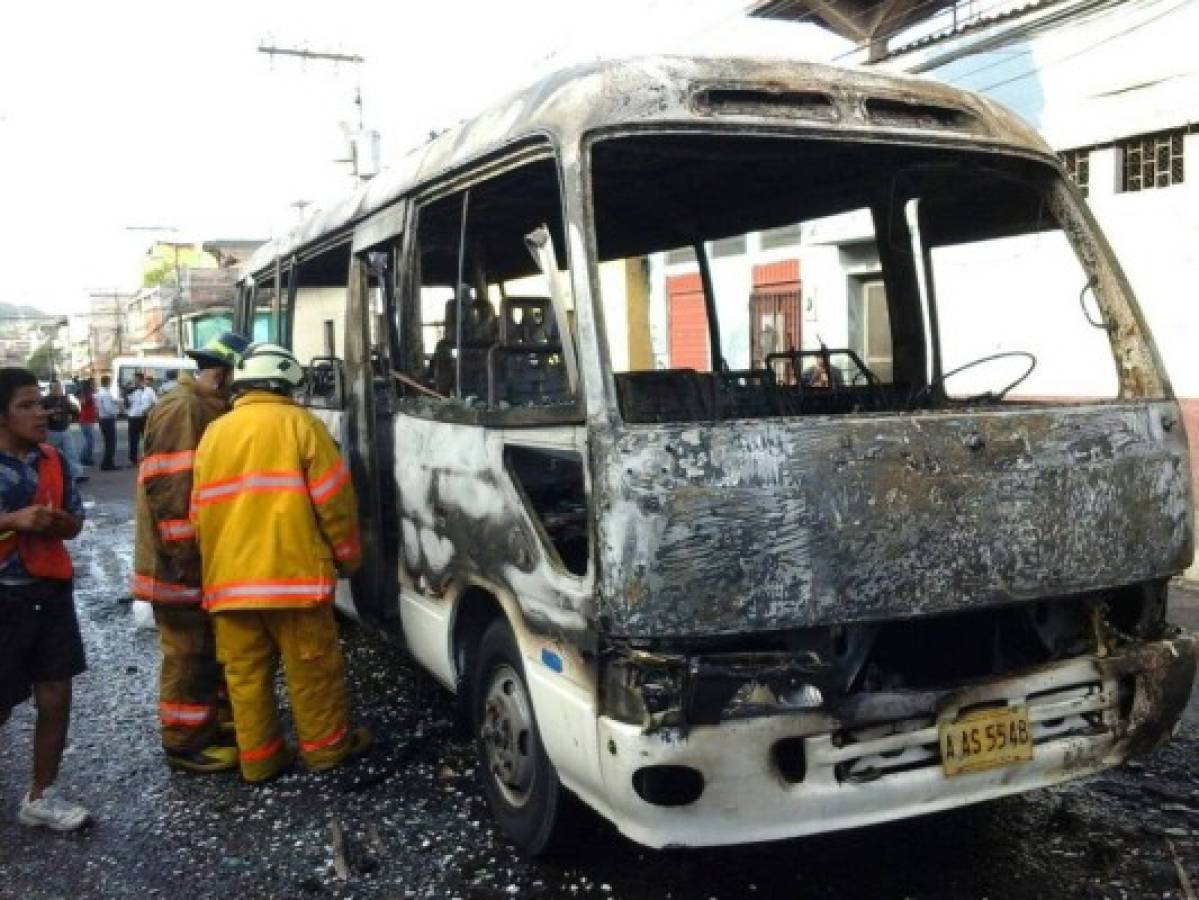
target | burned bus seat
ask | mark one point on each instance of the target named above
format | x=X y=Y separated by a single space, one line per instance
x=526 y=366
x=747 y=394
x=479 y=330
x=665 y=395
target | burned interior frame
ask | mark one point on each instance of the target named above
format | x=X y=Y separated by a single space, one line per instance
x=324 y=383
x=496 y=355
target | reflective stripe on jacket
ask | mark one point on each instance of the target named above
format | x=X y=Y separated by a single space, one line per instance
x=273 y=508
x=166 y=566
x=41 y=556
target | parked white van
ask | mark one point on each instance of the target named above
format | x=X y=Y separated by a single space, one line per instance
x=161 y=368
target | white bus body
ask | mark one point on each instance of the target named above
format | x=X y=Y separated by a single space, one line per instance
x=732 y=565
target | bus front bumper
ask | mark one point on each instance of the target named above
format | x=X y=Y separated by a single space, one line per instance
x=783 y=776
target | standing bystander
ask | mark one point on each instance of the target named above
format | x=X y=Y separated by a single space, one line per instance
x=108 y=406
x=166 y=564
x=88 y=416
x=141 y=398
x=40 y=646
x=270 y=589
x=60 y=413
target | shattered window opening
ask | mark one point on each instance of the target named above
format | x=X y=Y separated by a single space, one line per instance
x=504 y=349
x=1007 y=310
x=320 y=295
x=1003 y=263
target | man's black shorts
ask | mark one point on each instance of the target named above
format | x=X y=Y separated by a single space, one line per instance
x=39 y=638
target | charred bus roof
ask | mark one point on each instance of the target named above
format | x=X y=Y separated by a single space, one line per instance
x=760 y=94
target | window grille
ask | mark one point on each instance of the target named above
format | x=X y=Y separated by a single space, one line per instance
x=1078 y=167
x=1152 y=161
x=774 y=324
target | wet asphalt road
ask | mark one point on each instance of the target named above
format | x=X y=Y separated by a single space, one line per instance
x=416 y=825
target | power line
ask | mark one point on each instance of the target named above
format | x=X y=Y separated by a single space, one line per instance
x=1028 y=21
x=907 y=25
x=1087 y=49
x=810 y=16
x=357 y=61
x=959 y=78
x=303 y=53
x=18 y=317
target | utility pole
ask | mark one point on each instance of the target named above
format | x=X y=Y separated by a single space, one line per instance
x=107 y=325
x=177 y=303
x=357 y=164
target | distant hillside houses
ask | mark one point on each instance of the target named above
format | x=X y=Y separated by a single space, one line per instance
x=23 y=329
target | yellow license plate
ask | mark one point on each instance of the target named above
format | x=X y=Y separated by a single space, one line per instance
x=985 y=739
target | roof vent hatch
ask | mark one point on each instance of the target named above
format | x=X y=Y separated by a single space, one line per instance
x=905 y=114
x=766 y=101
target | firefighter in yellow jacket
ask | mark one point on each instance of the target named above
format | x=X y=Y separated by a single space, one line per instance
x=277 y=521
x=166 y=569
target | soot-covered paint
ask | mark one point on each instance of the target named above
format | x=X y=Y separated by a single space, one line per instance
x=729 y=528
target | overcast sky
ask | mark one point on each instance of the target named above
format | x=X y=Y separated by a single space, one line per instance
x=135 y=114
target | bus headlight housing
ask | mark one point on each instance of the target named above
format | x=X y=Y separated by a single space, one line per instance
x=643 y=689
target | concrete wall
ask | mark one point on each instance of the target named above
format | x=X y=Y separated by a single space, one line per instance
x=314 y=306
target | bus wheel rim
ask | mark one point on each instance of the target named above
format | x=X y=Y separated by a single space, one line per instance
x=507 y=733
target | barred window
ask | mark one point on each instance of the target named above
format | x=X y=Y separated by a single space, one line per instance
x=1078 y=167
x=1152 y=161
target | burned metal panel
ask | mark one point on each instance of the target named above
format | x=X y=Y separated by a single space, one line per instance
x=759 y=526
x=1161 y=676
x=463 y=521
x=1140 y=368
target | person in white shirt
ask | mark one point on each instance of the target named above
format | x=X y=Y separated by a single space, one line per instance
x=108 y=406
x=141 y=399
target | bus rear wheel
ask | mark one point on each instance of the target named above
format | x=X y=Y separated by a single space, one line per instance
x=523 y=790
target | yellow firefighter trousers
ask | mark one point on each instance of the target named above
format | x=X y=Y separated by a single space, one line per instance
x=191 y=690
x=250 y=644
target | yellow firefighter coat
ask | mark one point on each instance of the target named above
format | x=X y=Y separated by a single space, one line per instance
x=273 y=508
x=166 y=565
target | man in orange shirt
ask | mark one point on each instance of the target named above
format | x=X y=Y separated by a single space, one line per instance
x=40 y=646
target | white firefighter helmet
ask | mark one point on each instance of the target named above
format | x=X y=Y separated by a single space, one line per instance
x=268 y=366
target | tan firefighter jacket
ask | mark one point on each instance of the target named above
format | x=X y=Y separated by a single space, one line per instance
x=273 y=507
x=166 y=565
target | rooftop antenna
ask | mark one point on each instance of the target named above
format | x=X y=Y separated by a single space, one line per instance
x=363 y=144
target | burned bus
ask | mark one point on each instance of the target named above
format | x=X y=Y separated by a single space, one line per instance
x=726 y=576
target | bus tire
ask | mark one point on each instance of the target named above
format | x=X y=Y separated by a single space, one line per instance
x=522 y=787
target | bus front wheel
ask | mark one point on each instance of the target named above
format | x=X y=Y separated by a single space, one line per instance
x=522 y=787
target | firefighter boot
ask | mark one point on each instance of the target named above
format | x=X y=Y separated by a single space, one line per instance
x=358 y=741
x=213 y=758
